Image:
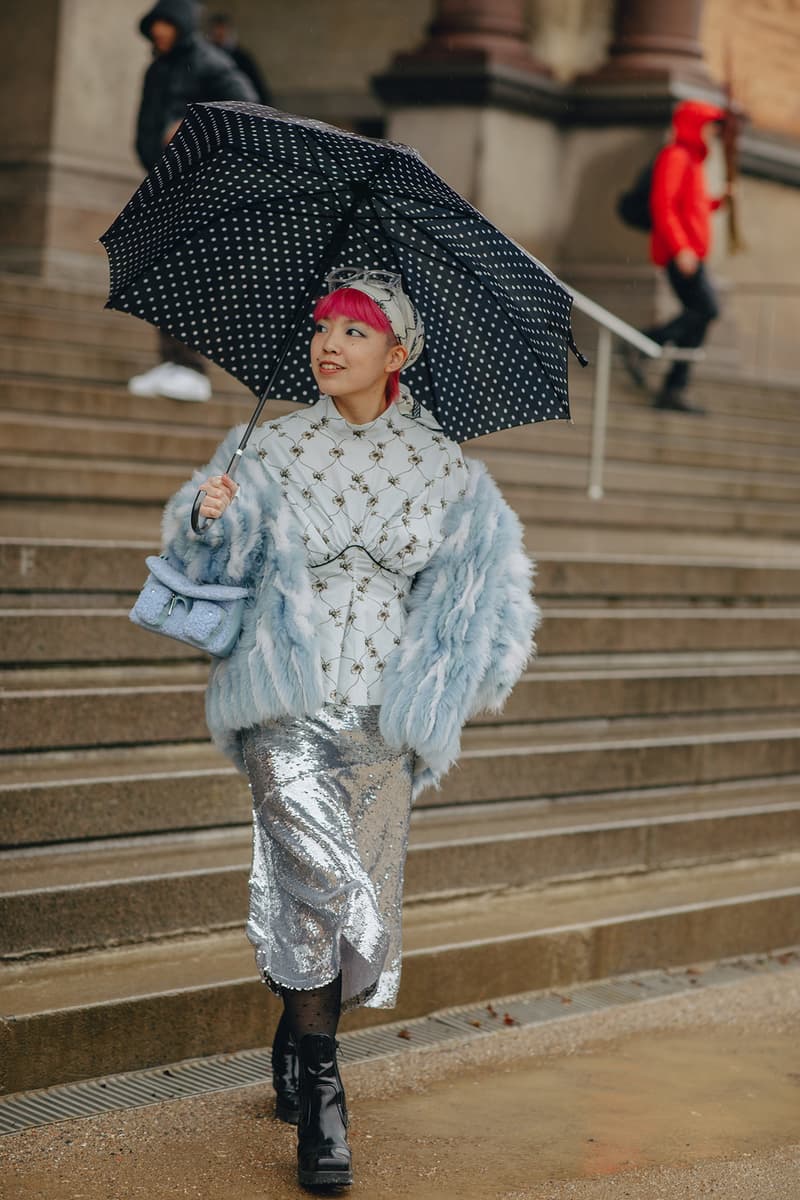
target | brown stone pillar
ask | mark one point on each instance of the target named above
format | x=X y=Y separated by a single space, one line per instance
x=477 y=52
x=656 y=39
x=480 y=108
x=495 y=30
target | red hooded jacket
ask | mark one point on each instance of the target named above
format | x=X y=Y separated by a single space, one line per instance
x=680 y=206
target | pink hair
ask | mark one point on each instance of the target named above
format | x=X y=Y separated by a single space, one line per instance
x=350 y=302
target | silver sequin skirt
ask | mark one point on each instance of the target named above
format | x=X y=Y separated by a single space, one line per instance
x=331 y=808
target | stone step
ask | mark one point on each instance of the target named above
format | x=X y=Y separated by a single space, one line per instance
x=87 y=437
x=114 y=893
x=82 y=438
x=29 y=291
x=55 y=565
x=688 y=515
x=83 y=635
x=99 y=328
x=71 y=399
x=103 y=364
x=526 y=469
x=118 y=1009
x=591 y=525
x=106 y=634
x=114 y=792
x=108 y=478
x=630 y=419
x=51 y=708
x=725 y=395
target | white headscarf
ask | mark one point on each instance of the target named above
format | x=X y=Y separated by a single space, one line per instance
x=386 y=290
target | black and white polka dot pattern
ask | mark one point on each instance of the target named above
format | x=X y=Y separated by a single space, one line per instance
x=225 y=241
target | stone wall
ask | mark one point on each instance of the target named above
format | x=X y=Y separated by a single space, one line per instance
x=68 y=97
x=761 y=39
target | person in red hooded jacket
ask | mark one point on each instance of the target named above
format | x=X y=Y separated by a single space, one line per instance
x=681 y=208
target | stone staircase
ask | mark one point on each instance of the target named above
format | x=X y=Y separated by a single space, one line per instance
x=636 y=805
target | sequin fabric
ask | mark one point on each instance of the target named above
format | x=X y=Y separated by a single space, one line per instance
x=331 y=808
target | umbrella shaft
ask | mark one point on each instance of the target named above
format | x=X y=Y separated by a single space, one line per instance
x=301 y=312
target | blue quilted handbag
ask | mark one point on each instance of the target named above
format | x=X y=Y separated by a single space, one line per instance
x=207 y=616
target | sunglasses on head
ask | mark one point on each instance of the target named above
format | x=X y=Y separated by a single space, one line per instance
x=340 y=277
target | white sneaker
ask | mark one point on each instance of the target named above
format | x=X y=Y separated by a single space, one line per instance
x=173 y=381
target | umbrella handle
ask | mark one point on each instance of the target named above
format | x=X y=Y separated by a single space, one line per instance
x=200 y=524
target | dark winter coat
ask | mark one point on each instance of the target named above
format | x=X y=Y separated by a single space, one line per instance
x=680 y=206
x=249 y=67
x=193 y=70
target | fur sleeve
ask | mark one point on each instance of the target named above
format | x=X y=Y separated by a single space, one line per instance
x=513 y=644
x=231 y=549
x=469 y=631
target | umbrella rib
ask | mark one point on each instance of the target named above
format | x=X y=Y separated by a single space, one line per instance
x=396 y=261
x=482 y=283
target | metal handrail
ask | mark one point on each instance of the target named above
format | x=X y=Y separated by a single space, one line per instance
x=609 y=327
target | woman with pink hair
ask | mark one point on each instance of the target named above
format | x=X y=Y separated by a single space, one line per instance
x=390 y=601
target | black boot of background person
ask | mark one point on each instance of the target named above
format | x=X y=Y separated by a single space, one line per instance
x=672 y=399
x=285 y=1074
x=323 y=1155
x=633 y=361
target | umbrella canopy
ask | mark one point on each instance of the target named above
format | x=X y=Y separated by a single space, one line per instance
x=227 y=242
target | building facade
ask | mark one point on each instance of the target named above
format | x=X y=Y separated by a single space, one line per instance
x=538 y=111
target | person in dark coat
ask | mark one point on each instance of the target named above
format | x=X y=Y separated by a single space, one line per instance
x=222 y=33
x=680 y=240
x=185 y=69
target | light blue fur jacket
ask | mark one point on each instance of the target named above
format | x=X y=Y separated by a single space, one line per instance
x=468 y=635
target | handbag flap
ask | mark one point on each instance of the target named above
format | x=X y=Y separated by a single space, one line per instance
x=176 y=582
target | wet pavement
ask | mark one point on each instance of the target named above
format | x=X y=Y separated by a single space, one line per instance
x=686 y=1096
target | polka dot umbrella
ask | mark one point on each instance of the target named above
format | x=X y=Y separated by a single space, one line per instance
x=227 y=242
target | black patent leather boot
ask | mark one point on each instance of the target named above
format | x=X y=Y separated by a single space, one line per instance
x=323 y=1155
x=285 y=1074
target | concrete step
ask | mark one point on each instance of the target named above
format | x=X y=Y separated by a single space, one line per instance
x=83 y=635
x=723 y=396
x=114 y=792
x=130 y=890
x=526 y=469
x=55 y=565
x=28 y=291
x=87 y=437
x=106 y=634
x=59 y=324
x=94 y=364
x=50 y=708
x=108 y=478
x=136 y=439
x=66 y=708
x=644 y=629
x=91 y=328
x=73 y=398
x=98 y=504
x=118 y=1009
x=68 y=398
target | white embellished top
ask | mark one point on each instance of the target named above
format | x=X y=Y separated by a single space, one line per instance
x=370 y=499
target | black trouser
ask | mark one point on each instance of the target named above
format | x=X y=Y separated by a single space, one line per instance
x=688 y=330
x=171 y=350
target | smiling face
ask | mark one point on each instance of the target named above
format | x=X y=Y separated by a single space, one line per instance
x=351 y=358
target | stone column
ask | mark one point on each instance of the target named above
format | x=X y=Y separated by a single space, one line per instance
x=69 y=92
x=479 y=107
x=492 y=30
x=657 y=39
